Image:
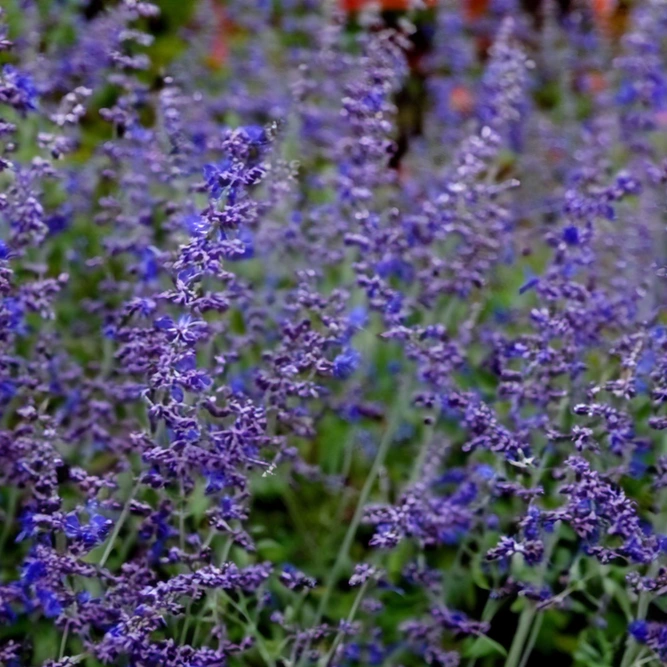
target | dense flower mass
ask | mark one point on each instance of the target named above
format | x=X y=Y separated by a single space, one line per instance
x=339 y=339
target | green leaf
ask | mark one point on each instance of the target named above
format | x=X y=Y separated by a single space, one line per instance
x=47 y=645
x=482 y=646
x=198 y=502
x=611 y=587
x=270 y=549
x=518 y=605
x=478 y=576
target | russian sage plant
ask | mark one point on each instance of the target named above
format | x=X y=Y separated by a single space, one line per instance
x=275 y=392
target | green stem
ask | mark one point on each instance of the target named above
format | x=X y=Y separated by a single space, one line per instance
x=198 y=626
x=383 y=449
x=261 y=645
x=9 y=516
x=424 y=449
x=63 y=642
x=350 y=618
x=631 y=645
x=223 y=558
x=490 y=609
x=529 y=612
x=186 y=623
x=525 y=621
x=119 y=525
x=181 y=518
x=647 y=660
x=531 y=640
x=346 y=495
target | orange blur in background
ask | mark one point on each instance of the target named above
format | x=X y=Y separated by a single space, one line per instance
x=611 y=16
x=398 y=5
x=473 y=9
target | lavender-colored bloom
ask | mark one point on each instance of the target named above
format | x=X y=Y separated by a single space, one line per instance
x=346 y=363
x=295 y=580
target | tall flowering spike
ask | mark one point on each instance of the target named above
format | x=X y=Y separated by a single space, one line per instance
x=503 y=103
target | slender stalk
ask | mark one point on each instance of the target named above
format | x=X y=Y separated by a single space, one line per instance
x=9 y=516
x=647 y=660
x=63 y=642
x=491 y=607
x=261 y=645
x=525 y=621
x=223 y=557
x=531 y=640
x=181 y=518
x=350 y=618
x=528 y=615
x=422 y=457
x=119 y=525
x=383 y=449
x=186 y=623
x=198 y=626
x=631 y=645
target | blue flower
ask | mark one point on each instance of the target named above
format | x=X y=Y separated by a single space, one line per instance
x=626 y=93
x=395 y=267
x=186 y=329
x=50 y=603
x=346 y=363
x=90 y=534
x=187 y=362
x=197 y=382
x=24 y=84
x=220 y=177
x=15 y=312
x=246 y=237
x=452 y=476
x=216 y=481
x=352 y=651
x=529 y=285
x=358 y=317
x=149 y=266
x=57 y=223
x=140 y=134
x=485 y=471
x=110 y=331
x=33 y=571
x=196 y=224
x=571 y=235
x=639 y=630
x=7 y=391
x=394 y=305
x=376 y=655
x=237 y=384
x=83 y=596
x=255 y=134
